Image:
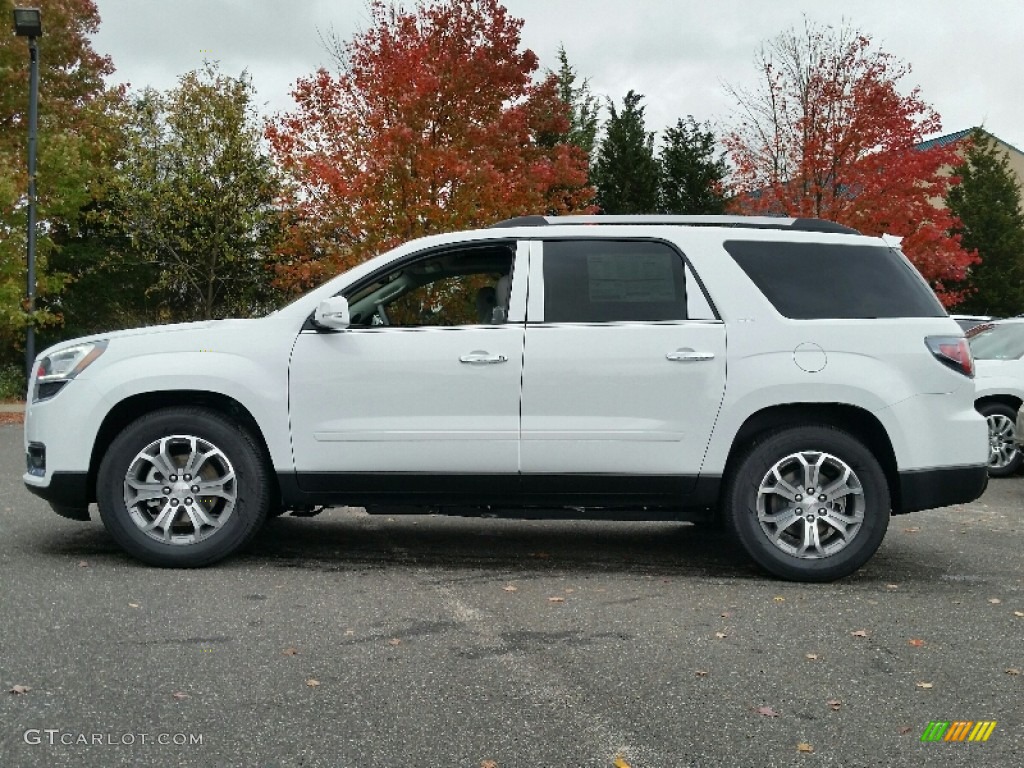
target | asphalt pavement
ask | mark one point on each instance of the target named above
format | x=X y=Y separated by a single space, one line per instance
x=355 y=641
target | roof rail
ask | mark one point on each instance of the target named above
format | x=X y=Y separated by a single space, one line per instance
x=747 y=222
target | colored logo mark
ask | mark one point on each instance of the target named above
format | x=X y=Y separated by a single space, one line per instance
x=959 y=730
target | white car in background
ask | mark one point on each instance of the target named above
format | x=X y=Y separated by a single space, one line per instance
x=998 y=350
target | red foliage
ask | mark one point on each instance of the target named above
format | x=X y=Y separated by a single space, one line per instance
x=431 y=127
x=830 y=136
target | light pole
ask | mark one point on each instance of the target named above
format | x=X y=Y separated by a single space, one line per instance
x=28 y=23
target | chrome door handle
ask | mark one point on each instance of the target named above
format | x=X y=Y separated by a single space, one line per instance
x=687 y=355
x=478 y=357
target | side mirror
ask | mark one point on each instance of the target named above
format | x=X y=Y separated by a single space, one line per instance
x=333 y=313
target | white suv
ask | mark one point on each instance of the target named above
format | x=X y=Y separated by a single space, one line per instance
x=791 y=375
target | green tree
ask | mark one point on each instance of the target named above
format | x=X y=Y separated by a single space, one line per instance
x=625 y=171
x=584 y=108
x=196 y=194
x=692 y=178
x=76 y=136
x=988 y=202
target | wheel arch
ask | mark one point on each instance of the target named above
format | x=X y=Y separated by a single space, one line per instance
x=858 y=422
x=135 y=406
x=1002 y=398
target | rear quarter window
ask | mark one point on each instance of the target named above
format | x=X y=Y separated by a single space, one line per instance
x=810 y=281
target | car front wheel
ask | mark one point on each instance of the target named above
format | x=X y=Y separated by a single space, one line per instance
x=183 y=487
x=808 y=503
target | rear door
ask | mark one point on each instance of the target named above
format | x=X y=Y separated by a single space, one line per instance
x=624 y=365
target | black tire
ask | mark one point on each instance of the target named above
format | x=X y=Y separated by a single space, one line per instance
x=780 y=450
x=244 y=475
x=1005 y=456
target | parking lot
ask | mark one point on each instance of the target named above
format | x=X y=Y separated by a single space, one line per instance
x=349 y=640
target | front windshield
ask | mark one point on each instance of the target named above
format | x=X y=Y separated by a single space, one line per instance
x=1001 y=341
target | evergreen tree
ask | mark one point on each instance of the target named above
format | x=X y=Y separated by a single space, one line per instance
x=584 y=109
x=626 y=171
x=988 y=202
x=692 y=180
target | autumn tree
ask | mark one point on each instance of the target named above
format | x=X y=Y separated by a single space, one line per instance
x=431 y=125
x=625 y=171
x=988 y=203
x=693 y=172
x=196 y=195
x=827 y=133
x=74 y=144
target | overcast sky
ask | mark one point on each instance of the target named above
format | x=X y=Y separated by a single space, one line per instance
x=967 y=57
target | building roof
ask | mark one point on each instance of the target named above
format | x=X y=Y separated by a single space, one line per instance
x=952 y=138
x=941 y=141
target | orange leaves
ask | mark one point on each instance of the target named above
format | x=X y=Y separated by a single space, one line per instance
x=839 y=142
x=430 y=128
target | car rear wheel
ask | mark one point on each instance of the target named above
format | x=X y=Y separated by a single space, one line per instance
x=1004 y=455
x=808 y=503
x=183 y=487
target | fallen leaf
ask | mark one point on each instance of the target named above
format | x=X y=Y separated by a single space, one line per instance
x=510 y=588
x=914 y=529
x=892 y=586
x=995 y=600
x=394 y=641
x=620 y=762
x=556 y=599
x=1019 y=614
x=860 y=633
x=834 y=704
x=905 y=729
x=1013 y=671
x=726 y=614
x=803 y=746
x=721 y=635
x=133 y=605
x=702 y=673
x=767 y=712
x=811 y=656
x=926 y=686
x=779 y=599
x=349 y=632
x=18 y=689
x=312 y=683
x=289 y=652
x=916 y=642
x=179 y=695
x=569 y=590
x=83 y=563
x=488 y=764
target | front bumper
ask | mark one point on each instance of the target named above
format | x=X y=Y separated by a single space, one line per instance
x=931 y=488
x=66 y=489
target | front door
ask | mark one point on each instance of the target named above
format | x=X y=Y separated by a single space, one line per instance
x=425 y=381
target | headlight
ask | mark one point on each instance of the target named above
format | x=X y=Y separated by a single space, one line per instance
x=58 y=368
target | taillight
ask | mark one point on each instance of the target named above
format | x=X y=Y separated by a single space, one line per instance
x=953 y=351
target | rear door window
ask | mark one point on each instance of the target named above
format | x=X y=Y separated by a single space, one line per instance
x=808 y=281
x=597 y=281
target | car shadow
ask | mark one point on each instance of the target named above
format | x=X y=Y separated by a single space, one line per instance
x=343 y=541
